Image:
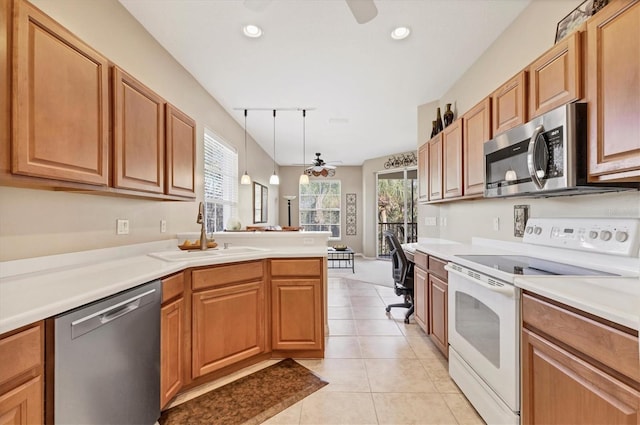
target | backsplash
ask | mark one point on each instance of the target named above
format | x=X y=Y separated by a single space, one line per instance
x=466 y=219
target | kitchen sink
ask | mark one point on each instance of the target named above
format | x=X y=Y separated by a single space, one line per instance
x=197 y=254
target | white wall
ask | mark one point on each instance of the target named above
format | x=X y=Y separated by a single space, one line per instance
x=38 y=222
x=530 y=35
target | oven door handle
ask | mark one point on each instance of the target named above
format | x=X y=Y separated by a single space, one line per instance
x=531 y=158
x=504 y=289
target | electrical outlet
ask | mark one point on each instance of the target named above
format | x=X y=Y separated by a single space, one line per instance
x=122 y=227
x=443 y=221
x=496 y=223
x=163 y=226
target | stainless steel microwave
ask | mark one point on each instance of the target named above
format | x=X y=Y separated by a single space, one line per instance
x=545 y=157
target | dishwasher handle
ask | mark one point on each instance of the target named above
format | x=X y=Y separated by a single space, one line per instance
x=93 y=321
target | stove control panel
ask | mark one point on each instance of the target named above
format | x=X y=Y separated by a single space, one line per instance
x=614 y=236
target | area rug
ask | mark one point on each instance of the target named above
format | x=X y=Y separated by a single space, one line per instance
x=249 y=400
x=367 y=270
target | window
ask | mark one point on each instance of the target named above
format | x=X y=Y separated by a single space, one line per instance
x=220 y=182
x=320 y=206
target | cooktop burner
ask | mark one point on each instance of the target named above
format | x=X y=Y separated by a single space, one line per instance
x=523 y=265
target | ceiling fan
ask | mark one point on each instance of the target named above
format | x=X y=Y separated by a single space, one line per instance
x=362 y=10
x=320 y=168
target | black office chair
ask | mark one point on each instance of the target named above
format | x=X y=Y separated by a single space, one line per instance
x=402 y=271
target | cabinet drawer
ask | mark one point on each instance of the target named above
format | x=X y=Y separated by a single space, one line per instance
x=296 y=267
x=610 y=346
x=20 y=353
x=436 y=267
x=172 y=286
x=224 y=275
x=420 y=260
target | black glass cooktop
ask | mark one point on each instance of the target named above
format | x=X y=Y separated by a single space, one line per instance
x=523 y=265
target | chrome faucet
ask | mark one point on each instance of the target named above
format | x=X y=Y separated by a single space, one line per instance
x=203 y=231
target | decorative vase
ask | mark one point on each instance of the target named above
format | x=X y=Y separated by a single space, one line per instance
x=439 y=126
x=448 y=115
x=434 y=129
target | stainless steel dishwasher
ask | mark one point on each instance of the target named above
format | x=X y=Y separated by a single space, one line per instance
x=107 y=360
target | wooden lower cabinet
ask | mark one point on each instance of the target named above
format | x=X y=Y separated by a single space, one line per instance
x=228 y=325
x=561 y=388
x=21 y=381
x=297 y=305
x=297 y=314
x=576 y=368
x=171 y=349
x=438 y=291
x=23 y=405
x=421 y=298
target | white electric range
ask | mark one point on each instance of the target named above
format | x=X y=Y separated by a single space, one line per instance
x=484 y=315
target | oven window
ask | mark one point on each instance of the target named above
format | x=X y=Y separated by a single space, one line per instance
x=479 y=326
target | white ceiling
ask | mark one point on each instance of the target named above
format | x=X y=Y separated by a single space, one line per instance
x=364 y=88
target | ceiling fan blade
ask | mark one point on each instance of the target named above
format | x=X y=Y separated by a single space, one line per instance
x=363 y=10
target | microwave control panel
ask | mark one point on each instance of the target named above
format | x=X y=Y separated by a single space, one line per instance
x=554 y=140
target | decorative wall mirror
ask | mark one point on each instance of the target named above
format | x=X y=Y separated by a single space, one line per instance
x=260 y=202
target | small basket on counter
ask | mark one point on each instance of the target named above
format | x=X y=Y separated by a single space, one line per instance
x=187 y=245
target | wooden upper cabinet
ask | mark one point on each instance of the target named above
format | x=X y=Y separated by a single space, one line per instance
x=138 y=135
x=60 y=102
x=435 y=168
x=452 y=160
x=613 y=92
x=476 y=130
x=180 y=154
x=509 y=103
x=423 y=172
x=5 y=88
x=555 y=78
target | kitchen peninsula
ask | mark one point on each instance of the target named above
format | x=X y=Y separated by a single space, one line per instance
x=269 y=288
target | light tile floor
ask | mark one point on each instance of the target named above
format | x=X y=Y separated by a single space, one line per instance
x=380 y=370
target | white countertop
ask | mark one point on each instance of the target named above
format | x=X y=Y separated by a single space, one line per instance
x=613 y=298
x=34 y=289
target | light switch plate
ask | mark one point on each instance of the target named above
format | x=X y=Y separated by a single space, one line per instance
x=122 y=227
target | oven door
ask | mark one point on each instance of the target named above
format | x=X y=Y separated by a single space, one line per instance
x=484 y=330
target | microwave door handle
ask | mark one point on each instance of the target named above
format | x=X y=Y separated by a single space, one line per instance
x=531 y=157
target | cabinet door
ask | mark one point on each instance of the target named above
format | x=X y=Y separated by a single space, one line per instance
x=423 y=173
x=23 y=405
x=476 y=130
x=181 y=153
x=228 y=325
x=60 y=102
x=435 y=168
x=438 y=313
x=509 y=103
x=171 y=349
x=421 y=298
x=555 y=77
x=297 y=314
x=452 y=160
x=138 y=135
x=5 y=88
x=560 y=388
x=613 y=87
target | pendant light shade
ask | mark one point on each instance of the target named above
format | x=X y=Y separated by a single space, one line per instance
x=245 y=179
x=304 y=178
x=274 y=179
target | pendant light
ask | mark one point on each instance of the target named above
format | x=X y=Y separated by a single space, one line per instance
x=304 y=178
x=246 y=179
x=274 y=179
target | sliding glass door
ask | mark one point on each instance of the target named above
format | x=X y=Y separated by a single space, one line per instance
x=397 y=195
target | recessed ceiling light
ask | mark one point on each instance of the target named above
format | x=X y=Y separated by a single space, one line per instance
x=400 y=33
x=252 y=31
